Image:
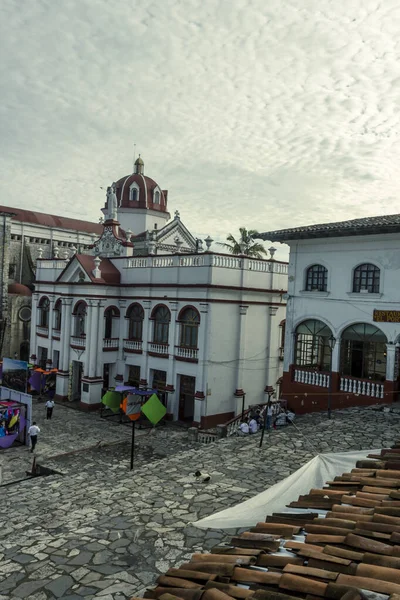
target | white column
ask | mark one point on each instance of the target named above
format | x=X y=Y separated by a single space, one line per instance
x=98 y=341
x=51 y=326
x=171 y=368
x=241 y=347
x=66 y=324
x=336 y=358
x=390 y=361
x=271 y=352
x=200 y=406
x=146 y=338
x=34 y=320
x=91 y=338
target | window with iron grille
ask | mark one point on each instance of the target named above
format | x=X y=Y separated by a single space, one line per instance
x=363 y=352
x=317 y=278
x=312 y=348
x=366 y=277
x=44 y=307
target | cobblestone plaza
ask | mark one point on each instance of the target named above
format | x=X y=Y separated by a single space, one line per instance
x=97 y=530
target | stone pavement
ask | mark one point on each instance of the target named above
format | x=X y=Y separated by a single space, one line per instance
x=101 y=531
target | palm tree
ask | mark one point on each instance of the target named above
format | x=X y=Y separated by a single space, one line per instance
x=245 y=244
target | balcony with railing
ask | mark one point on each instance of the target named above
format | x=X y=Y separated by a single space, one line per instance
x=186 y=354
x=156 y=349
x=135 y=346
x=78 y=341
x=42 y=331
x=56 y=334
x=110 y=344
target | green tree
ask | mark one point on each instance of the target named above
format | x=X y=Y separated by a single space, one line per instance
x=245 y=244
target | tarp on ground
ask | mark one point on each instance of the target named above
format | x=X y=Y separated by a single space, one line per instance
x=314 y=474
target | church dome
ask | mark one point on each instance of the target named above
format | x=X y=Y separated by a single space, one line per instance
x=139 y=191
x=19 y=289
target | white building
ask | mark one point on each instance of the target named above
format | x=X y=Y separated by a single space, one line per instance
x=198 y=326
x=343 y=315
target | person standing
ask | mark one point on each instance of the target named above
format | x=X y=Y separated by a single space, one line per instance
x=49 y=407
x=270 y=411
x=33 y=433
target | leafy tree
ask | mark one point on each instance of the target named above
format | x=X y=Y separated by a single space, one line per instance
x=245 y=244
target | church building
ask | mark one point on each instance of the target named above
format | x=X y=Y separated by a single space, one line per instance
x=153 y=306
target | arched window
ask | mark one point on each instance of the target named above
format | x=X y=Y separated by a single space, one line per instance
x=133 y=194
x=44 y=307
x=157 y=197
x=312 y=345
x=80 y=319
x=110 y=314
x=366 y=278
x=135 y=316
x=190 y=321
x=363 y=352
x=317 y=279
x=57 y=315
x=162 y=318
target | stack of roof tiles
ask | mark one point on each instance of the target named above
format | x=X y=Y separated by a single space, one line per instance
x=353 y=550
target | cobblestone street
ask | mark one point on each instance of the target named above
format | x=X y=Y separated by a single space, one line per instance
x=98 y=530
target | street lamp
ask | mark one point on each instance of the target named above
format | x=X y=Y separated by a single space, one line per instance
x=331 y=343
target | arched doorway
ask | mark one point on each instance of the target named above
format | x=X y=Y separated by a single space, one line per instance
x=363 y=352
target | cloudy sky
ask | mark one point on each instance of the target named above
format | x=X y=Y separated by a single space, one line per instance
x=257 y=113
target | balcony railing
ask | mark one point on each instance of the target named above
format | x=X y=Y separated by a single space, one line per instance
x=186 y=353
x=43 y=331
x=161 y=349
x=110 y=343
x=362 y=387
x=78 y=341
x=312 y=378
x=133 y=345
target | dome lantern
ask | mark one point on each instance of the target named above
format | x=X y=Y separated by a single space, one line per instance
x=139 y=166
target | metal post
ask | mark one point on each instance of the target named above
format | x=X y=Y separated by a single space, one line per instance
x=133 y=444
x=243 y=399
x=330 y=396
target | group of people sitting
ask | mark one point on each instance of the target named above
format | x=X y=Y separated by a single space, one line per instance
x=268 y=417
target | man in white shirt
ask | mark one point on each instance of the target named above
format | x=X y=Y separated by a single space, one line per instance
x=33 y=433
x=244 y=428
x=253 y=426
x=49 y=406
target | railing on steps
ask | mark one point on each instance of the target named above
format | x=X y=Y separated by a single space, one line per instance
x=205 y=437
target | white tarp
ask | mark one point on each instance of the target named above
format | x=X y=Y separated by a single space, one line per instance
x=314 y=474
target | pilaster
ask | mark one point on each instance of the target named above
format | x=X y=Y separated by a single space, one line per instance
x=390 y=361
x=200 y=403
x=173 y=341
x=34 y=321
x=145 y=339
x=66 y=317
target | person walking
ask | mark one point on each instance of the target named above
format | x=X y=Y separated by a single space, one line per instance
x=33 y=433
x=49 y=407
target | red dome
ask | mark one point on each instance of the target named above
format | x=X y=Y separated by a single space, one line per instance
x=19 y=289
x=146 y=195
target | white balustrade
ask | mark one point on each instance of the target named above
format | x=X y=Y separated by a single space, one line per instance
x=361 y=387
x=163 y=261
x=190 y=353
x=134 y=345
x=111 y=343
x=51 y=264
x=78 y=341
x=158 y=348
x=191 y=260
x=42 y=330
x=312 y=378
x=137 y=263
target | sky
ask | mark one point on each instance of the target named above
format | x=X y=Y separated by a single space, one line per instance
x=265 y=114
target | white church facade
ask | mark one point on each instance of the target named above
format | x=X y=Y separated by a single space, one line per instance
x=342 y=345
x=153 y=307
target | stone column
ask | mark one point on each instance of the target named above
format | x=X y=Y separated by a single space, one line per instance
x=336 y=358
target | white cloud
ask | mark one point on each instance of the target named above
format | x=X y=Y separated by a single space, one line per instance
x=265 y=115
